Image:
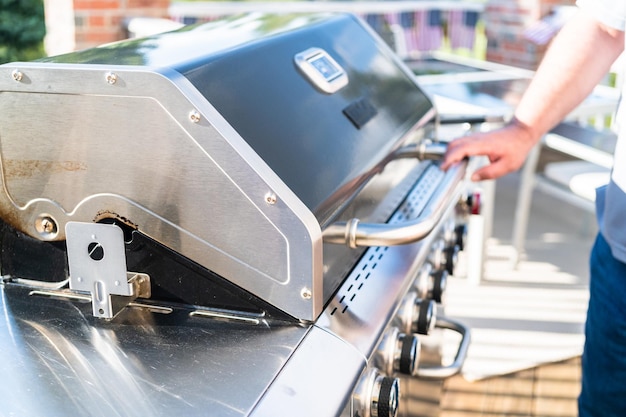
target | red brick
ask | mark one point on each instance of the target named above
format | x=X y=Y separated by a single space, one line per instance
x=146 y=3
x=96 y=4
x=520 y=47
x=97 y=21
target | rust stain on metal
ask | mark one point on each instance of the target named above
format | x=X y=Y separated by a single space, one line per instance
x=30 y=167
x=107 y=214
x=12 y=218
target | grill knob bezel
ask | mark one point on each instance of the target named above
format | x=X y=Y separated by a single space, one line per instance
x=385 y=404
x=424 y=316
x=416 y=315
x=439 y=285
x=407 y=354
x=397 y=353
x=376 y=395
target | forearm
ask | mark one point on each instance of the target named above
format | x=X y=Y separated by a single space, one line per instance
x=578 y=58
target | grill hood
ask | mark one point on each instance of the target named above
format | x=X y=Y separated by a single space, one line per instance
x=233 y=144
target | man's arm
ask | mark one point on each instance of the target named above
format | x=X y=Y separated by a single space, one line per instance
x=580 y=55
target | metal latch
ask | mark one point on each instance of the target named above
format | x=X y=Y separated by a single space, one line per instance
x=97 y=263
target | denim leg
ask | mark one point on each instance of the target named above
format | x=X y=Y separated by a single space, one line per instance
x=604 y=358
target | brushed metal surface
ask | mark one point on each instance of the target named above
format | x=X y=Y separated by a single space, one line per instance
x=164 y=364
x=236 y=170
x=78 y=149
x=155 y=134
x=369 y=298
x=317 y=381
x=57 y=360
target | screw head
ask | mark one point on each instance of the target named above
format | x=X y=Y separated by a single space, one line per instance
x=111 y=77
x=46 y=226
x=270 y=198
x=17 y=75
x=306 y=293
x=194 y=116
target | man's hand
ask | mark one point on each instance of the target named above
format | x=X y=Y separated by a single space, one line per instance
x=578 y=58
x=506 y=149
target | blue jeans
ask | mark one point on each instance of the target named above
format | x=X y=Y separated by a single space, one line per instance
x=604 y=358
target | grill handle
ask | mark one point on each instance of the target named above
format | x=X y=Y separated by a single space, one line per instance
x=355 y=234
x=443 y=372
x=425 y=150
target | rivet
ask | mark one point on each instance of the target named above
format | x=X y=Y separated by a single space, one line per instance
x=194 y=116
x=270 y=198
x=111 y=77
x=17 y=75
x=306 y=293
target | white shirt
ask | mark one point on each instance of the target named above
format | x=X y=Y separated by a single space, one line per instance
x=611 y=200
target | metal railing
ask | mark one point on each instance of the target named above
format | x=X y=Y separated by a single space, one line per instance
x=410 y=27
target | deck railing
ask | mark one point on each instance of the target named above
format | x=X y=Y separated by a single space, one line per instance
x=410 y=27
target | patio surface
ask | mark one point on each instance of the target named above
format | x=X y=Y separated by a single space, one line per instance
x=533 y=314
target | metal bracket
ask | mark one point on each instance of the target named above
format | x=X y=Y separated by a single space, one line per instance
x=97 y=263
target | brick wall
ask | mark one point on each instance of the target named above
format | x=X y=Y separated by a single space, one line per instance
x=506 y=24
x=102 y=21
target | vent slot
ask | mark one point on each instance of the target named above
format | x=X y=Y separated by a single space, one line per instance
x=365 y=270
x=355 y=282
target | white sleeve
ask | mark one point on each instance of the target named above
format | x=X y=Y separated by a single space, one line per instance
x=609 y=12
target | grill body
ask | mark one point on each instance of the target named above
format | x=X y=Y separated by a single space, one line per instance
x=218 y=156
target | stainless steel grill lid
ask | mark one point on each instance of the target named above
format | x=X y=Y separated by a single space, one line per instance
x=229 y=146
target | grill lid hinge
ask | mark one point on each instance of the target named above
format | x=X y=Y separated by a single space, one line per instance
x=97 y=264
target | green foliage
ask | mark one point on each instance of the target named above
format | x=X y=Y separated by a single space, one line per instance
x=22 y=28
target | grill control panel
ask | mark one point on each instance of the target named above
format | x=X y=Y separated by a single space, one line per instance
x=400 y=362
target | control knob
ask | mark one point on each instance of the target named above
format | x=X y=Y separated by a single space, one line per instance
x=437 y=256
x=443 y=257
x=475 y=203
x=423 y=282
x=376 y=395
x=471 y=204
x=416 y=315
x=460 y=232
x=451 y=256
x=397 y=353
x=431 y=284
x=439 y=283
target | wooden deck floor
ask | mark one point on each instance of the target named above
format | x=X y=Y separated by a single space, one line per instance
x=549 y=390
x=511 y=301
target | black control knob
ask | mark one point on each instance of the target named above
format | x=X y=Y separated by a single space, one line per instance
x=460 y=232
x=451 y=256
x=376 y=395
x=397 y=353
x=425 y=316
x=416 y=315
x=439 y=282
x=407 y=355
x=385 y=397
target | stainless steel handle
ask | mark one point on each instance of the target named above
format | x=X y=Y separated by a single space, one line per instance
x=443 y=372
x=354 y=233
x=425 y=150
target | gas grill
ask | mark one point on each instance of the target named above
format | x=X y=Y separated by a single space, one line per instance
x=240 y=218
